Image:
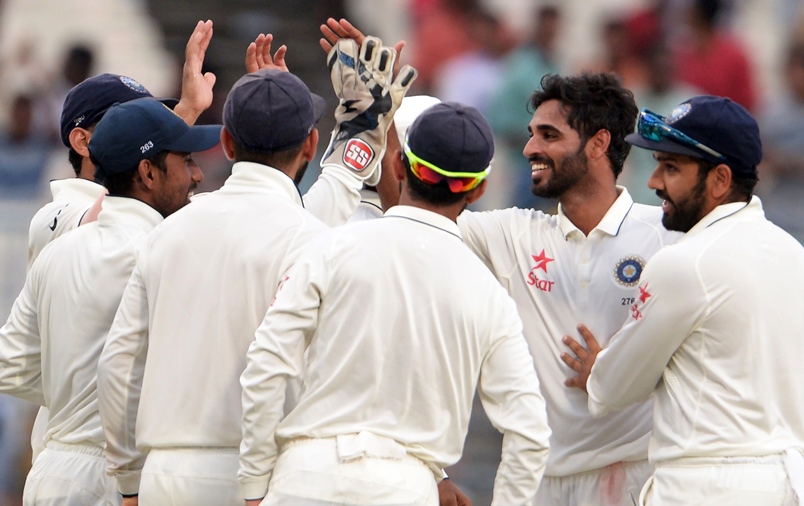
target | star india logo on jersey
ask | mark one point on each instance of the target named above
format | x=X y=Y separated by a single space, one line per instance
x=541 y=260
x=357 y=154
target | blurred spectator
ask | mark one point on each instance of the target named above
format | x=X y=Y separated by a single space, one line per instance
x=23 y=153
x=660 y=93
x=78 y=65
x=508 y=114
x=473 y=77
x=710 y=59
x=440 y=33
x=782 y=130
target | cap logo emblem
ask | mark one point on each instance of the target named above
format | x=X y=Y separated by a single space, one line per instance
x=79 y=119
x=145 y=147
x=134 y=85
x=678 y=113
x=358 y=154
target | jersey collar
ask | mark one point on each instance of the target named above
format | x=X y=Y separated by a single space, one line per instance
x=426 y=217
x=746 y=210
x=254 y=177
x=612 y=220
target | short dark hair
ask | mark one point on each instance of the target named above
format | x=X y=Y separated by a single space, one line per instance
x=278 y=159
x=596 y=101
x=122 y=183
x=742 y=185
x=436 y=195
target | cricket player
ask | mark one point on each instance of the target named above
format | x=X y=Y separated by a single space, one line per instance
x=391 y=373
x=78 y=200
x=59 y=323
x=208 y=275
x=715 y=330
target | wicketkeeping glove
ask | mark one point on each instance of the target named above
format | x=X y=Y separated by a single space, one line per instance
x=368 y=97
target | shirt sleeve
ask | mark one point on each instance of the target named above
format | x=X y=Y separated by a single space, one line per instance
x=669 y=304
x=509 y=391
x=21 y=348
x=275 y=356
x=491 y=237
x=334 y=196
x=120 y=375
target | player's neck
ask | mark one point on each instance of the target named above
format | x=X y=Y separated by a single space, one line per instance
x=585 y=207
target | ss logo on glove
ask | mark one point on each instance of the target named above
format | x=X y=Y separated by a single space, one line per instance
x=358 y=154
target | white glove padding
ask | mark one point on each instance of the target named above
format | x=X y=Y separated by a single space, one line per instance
x=368 y=97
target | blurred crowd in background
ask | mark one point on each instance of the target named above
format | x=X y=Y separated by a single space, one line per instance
x=487 y=53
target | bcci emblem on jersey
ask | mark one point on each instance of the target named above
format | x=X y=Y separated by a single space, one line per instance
x=628 y=270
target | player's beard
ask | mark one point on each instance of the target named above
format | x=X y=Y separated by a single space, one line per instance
x=687 y=211
x=572 y=169
x=300 y=173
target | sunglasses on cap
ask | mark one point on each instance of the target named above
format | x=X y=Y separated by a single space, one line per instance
x=458 y=182
x=652 y=126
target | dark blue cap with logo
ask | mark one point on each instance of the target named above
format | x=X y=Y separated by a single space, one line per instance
x=139 y=129
x=271 y=110
x=719 y=124
x=453 y=137
x=89 y=99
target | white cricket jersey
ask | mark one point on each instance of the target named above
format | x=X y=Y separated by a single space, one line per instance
x=71 y=199
x=559 y=279
x=58 y=325
x=403 y=322
x=202 y=285
x=717 y=332
x=369 y=207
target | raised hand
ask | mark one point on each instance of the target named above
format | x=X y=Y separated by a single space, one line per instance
x=368 y=96
x=335 y=30
x=258 y=55
x=196 y=87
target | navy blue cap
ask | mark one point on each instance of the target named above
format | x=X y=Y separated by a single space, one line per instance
x=141 y=128
x=453 y=137
x=271 y=110
x=719 y=124
x=89 y=99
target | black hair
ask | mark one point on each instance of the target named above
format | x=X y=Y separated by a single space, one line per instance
x=434 y=194
x=596 y=101
x=122 y=183
x=280 y=159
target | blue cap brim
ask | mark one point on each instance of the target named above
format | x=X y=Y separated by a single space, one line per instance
x=319 y=107
x=196 y=138
x=666 y=145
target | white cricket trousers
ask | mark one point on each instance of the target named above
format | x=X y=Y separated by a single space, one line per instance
x=190 y=476
x=70 y=475
x=726 y=481
x=350 y=470
x=616 y=485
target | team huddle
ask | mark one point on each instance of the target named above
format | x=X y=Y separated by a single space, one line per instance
x=253 y=344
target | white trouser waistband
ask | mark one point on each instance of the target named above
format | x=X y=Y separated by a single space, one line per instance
x=350 y=447
x=82 y=448
x=792 y=460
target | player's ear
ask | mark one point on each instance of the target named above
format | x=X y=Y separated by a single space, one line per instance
x=79 y=140
x=598 y=145
x=310 y=145
x=227 y=143
x=399 y=166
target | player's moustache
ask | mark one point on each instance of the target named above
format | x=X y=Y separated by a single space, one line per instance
x=664 y=196
x=541 y=159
